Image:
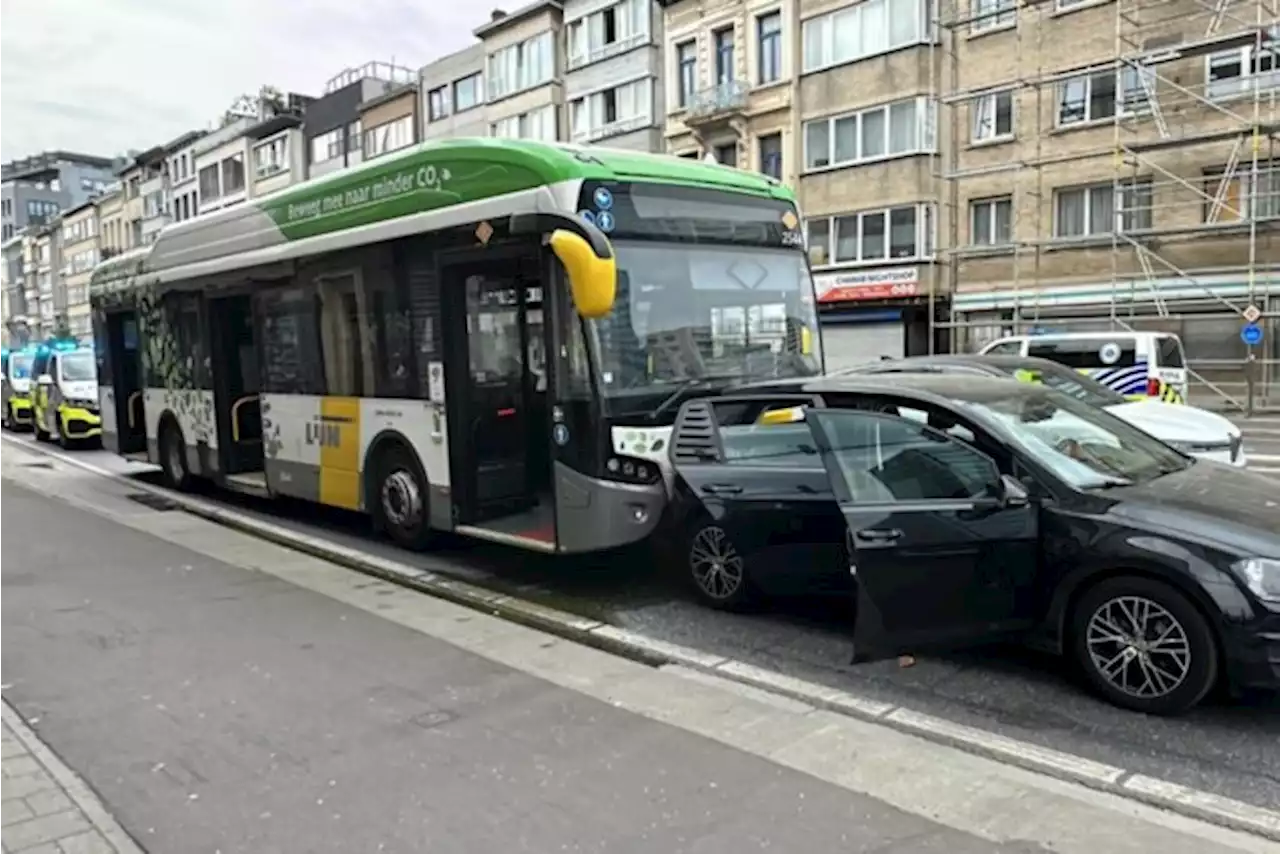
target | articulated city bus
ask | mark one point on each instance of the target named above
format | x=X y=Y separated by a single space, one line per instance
x=484 y=336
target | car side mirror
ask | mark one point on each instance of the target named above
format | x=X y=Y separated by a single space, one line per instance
x=1012 y=493
x=44 y=379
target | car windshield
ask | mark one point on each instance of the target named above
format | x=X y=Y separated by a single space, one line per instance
x=689 y=312
x=1086 y=446
x=77 y=367
x=20 y=366
x=1080 y=386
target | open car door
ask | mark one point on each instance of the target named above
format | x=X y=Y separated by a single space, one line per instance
x=943 y=549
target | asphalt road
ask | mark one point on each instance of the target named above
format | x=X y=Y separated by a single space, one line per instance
x=1231 y=748
x=215 y=708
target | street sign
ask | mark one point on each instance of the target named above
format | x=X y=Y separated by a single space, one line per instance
x=1251 y=334
x=1251 y=314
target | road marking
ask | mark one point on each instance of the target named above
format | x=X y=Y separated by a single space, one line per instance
x=1182 y=800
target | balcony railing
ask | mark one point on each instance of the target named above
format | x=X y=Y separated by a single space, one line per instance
x=721 y=99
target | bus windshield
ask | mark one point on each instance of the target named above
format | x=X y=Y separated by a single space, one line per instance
x=20 y=366
x=698 y=311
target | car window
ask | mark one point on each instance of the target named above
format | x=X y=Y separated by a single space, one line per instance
x=1075 y=383
x=880 y=457
x=1004 y=348
x=1170 y=352
x=784 y=445
x=1092 y=353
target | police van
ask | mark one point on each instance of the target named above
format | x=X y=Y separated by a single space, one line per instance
x=1138 y=365
x=15 y=387
x=64 y=399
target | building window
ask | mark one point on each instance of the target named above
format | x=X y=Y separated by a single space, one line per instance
x=1094 y=97
x=438 y=104
x=887 y=234
x=327 y=146
x=991 y=222
x=537 y=124
x=727 y=154
x=608 y=31
x=233 y=174
x=771 y=155
x=1091 y=211
x=1231 y=73
x=993 y=117
x=1063 y=5
x=208 y=182
x=521 y=66
x=617 y=110
x=687 y=70
x=867 y=29
x=355 y=139
x=389 y=136
x=271 y=157
x=724 y=55
x=892 y=130
x=1244 y=195
x=769 y=34
x=468 y=92
x=991 y=14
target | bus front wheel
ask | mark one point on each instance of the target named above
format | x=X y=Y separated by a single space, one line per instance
x=173 y=457
x=399 y=500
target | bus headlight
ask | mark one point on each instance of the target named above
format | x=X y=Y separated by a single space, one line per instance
x=632 y=470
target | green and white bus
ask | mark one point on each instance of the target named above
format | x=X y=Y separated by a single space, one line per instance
x=484 y=336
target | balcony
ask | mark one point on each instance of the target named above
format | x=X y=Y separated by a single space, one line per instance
x=717 y=104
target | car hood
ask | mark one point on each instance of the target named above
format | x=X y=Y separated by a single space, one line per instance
x=1210 y=502
x=21 y=385
x=1175 y=423
x=84 y=390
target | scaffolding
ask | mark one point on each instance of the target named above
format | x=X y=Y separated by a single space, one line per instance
x=1182 y=201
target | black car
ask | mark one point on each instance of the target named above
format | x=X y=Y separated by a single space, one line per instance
x=969 y=510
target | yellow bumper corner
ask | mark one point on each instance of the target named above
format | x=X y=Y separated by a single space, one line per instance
x=78 y=423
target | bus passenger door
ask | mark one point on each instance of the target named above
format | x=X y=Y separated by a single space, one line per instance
x=123 y=418
x=236 y=384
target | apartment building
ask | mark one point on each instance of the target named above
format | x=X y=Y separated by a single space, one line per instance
x=220 y=158
x=390 y=120
x=277 y=153
x=183 y=192
x=454 y=96
x=41 y=268
x=12 y=277
x=142 y=168
x=524 y=72
x=34 y=189
x=1117 y=164
x=333 y=130
x=78 y=255
x=613 y=73
x=113 y=237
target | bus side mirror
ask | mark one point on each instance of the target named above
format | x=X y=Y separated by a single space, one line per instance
x=592 y=279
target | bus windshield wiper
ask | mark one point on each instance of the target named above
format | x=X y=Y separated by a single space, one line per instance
x=686 y=385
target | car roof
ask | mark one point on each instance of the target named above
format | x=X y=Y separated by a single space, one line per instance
x=996 y=363
x=933 y=388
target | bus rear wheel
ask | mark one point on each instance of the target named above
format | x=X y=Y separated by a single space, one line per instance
x=173 y=458
x=399 y=499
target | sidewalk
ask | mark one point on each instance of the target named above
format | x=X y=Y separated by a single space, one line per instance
x=47 y=809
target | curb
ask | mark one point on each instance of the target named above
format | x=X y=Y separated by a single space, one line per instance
x=1194 y=803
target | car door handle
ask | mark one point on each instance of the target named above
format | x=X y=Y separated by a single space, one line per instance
x=721 y=489
x=878 y=535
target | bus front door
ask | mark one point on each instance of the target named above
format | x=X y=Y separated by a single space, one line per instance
x=499 y=428
x=124 y=355
x=236 y=385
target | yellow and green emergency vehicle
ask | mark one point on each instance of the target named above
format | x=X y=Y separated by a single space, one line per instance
x=64 y=397
x=15 y=387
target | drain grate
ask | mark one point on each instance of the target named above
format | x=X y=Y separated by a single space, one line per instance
x=155 y=502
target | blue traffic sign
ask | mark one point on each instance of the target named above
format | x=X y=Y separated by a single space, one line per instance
x=1251 y=334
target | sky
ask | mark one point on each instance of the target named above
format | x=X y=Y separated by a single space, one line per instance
x=106 y=76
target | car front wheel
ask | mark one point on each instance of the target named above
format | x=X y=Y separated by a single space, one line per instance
x=717 y=570
x=1143 y=646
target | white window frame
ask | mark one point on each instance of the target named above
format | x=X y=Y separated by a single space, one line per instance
x=389 y=136
x=439 y=103
x=265 y=167
x=591 y=131
x=1264 y=193
x=991 y=101
x=757 y=47
x=515 y=59
x=1118 y=215
x=989 y=15
x=821 y=32
x=478 y=77
x=926 y=137
x=1250 y=68
x=925 y=236
x=579 y=50
x=986 y=208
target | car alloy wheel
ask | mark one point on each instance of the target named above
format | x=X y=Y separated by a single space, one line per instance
x=1138 y=647
x=717 y=568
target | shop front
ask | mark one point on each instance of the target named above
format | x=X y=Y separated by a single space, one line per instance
x=874 y=314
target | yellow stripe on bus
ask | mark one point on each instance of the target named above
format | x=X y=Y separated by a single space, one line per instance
x=340 y=452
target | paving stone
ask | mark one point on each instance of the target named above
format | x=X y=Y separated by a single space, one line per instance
x=20 y=765
x=15 y=810
x=49 y=828
x=49 y=802
x=85 y=843
x=20 y=787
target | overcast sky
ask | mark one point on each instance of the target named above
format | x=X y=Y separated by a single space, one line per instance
x=105 y=76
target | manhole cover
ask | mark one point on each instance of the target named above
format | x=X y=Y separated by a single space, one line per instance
x=155 y=502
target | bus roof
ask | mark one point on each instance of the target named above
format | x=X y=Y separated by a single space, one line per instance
x=432 y=185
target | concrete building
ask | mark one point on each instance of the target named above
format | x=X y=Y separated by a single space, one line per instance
x=454 y=95
x=42 y=268
x=524 y=70
x=333 y=130
x=277 y=153
x=1113 y=165
x=112 y=234
x=184 y=192
x=16 y=328
x=78 y=254
x=220 y=158
x=132 y=176
x=34 y=189
x=613 y=73
x=390 y=120
x=254 y=151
